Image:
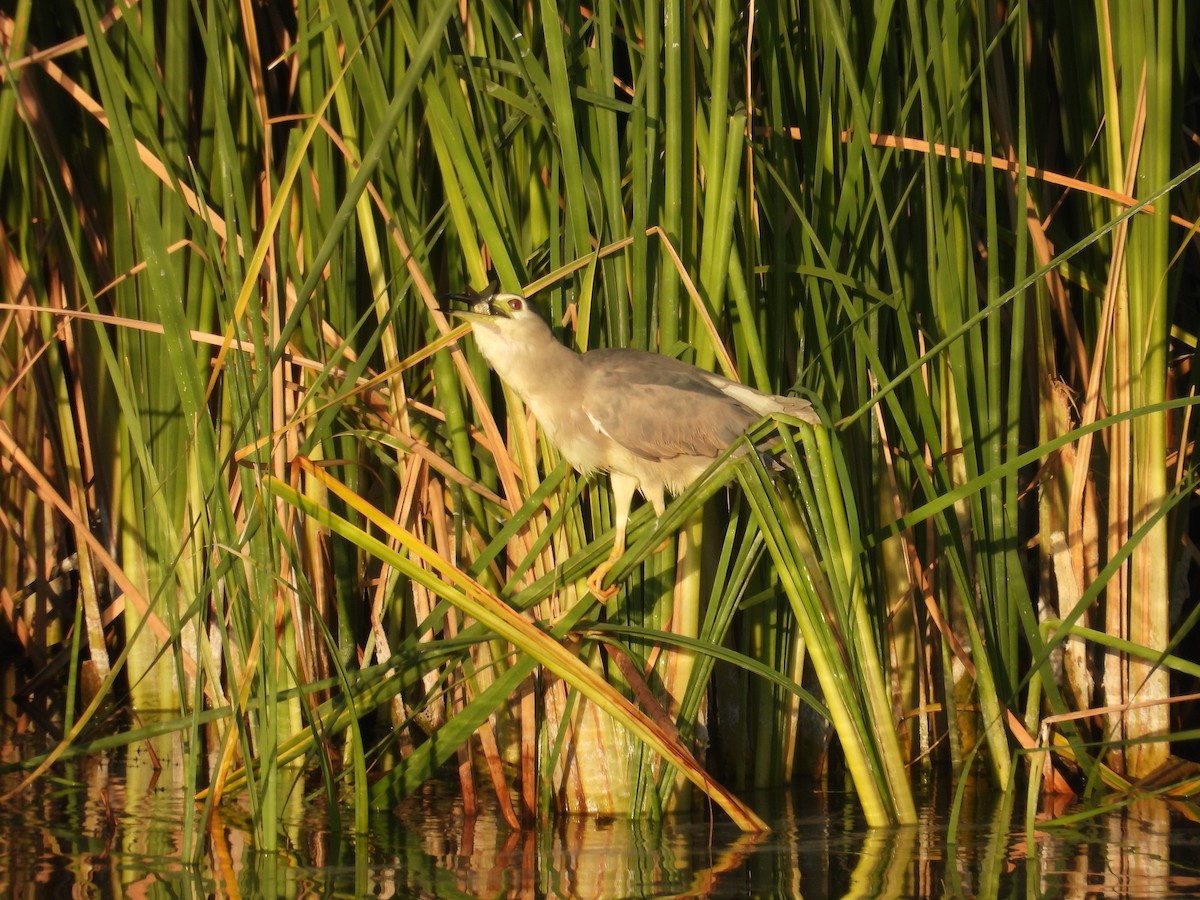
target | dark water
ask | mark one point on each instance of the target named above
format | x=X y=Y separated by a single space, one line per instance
x=113 y=826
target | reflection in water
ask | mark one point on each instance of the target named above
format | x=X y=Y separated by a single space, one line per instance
x=118 y=826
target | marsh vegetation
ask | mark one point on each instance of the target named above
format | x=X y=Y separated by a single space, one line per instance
x=253 y=482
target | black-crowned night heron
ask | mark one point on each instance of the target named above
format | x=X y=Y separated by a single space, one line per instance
x=651 y=422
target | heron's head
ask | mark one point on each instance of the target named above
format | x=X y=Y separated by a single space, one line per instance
x=497 y=305
x=504 y=324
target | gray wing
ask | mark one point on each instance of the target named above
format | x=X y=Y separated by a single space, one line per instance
x=659 y=407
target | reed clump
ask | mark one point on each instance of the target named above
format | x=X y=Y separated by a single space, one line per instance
x=251 y=477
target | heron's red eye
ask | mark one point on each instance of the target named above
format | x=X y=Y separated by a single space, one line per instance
x=514 y=305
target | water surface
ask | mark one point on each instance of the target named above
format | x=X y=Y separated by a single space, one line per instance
x=113 y=825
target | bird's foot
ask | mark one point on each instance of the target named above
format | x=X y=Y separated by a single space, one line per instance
x=595 y=583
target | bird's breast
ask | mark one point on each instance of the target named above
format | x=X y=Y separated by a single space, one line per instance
x=569 y=430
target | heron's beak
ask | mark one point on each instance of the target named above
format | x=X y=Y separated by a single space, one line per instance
x=482 y=306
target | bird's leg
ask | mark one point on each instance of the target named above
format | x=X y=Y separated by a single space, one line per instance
x=595 y=581
x=623 y=487
x=660 y=506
